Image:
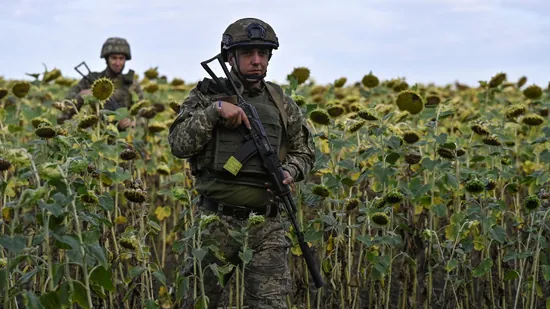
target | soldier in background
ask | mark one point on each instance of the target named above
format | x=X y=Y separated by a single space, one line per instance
x=115 y=51
x=205 y=132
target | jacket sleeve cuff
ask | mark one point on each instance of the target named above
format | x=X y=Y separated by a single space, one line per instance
x=291 y=170
x=212 y=113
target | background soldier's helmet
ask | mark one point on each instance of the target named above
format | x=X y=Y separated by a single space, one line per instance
x=116 y=46
x=248 y=32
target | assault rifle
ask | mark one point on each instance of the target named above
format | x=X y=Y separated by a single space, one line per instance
x=83 y=63
x=270 y=161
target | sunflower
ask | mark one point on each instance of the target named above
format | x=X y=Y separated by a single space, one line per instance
x=410 y=101
x=102 y=88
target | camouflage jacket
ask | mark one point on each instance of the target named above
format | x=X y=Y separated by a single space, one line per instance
x=122 y=96
x=198 y=117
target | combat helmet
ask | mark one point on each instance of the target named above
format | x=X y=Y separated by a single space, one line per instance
x=116 y=45
x=248 y=32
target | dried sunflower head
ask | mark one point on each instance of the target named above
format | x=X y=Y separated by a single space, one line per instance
x=3 y=93
x=475 y=186
x=380 y=218
x=38 y=120
x=138 y=106
x=532 y=92
x=533 y=120
x=151 y=88
x=480 y=129
x=135 y=195
x=45 y=131
x=298 y=99
x=410 y=101
x=301 y=74
x=497 y=80
x=156 y=127
x=367 y=114
x=148 y=112
x=521 y=81
x=491 y=140
x=151 y=73
x=88 y=121
x=433 y=100
x=320 y=190
x=413 y=158
x=177 y=82
x=370 y=80
x=128 y=154
x=515 y=110
x=4 y=164
x=352 y=203
x=356 y=126
x=21 y=89
x=320 y=116
x=103 y=88
x=446 y=153
x=163 y=169
x=531 y=202
x=51 y=75
x=393 y=197
x=339 y=83
x=411 y=137
x=335 y=110
x=401 y=86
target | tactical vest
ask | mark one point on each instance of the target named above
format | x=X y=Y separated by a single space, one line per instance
x=225 y=143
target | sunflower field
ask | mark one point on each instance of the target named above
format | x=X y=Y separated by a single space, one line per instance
x=422 y=196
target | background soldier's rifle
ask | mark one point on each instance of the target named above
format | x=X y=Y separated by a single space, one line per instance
x=83 y=63
x=270 y=161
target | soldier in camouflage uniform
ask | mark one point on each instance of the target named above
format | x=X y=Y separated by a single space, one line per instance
x=115 y=51
x=205 y=132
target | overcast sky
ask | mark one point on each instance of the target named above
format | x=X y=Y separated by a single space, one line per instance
x=424 y=41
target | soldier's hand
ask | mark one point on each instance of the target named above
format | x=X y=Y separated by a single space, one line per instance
x=85 y=91
x=123 y=124
x=233 y=115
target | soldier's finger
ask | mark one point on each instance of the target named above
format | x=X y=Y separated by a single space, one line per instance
x=245 y=120
x=237 y=121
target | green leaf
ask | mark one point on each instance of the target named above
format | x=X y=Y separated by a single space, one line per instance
x=498 y=233
x=98 y=252
x=511 y=275
x=483 y=267
x=392 y=157
x=545 y=272
x=31 y=300
x=66 y=241
x=103 y=277
x=441 y=138
x=151 y=304
x=160 y=276
x=79 y=294
x=429 y=164
x=451 y=181
x=201 y=303
x=199 y=253
x=14 y=244
x=136 y=271
x=246 y=257
x=451 y=264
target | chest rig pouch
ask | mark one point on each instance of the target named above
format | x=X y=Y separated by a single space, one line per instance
x=232 y=157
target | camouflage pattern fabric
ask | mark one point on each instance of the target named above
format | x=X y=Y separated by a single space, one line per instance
x=193 y=128
x=122 y=96
x=267 y=278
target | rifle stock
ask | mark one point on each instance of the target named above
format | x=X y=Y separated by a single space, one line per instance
x=272 y=164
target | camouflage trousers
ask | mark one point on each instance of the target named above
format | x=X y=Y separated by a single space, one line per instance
x=266 y=276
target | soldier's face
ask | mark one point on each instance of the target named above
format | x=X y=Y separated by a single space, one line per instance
x=116 y=62
x=253 y=60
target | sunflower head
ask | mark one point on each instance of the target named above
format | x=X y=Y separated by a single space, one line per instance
x=410 y=101
x=497 y=80
x=339 y=83
x=3 y=93
x=102 y=88
x=320 y=116
x=533 y=120
x=370 y=80
x=532 y=92
x=301 y=74
x=21 y=89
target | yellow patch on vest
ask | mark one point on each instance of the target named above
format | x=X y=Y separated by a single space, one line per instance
x=233 y=165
